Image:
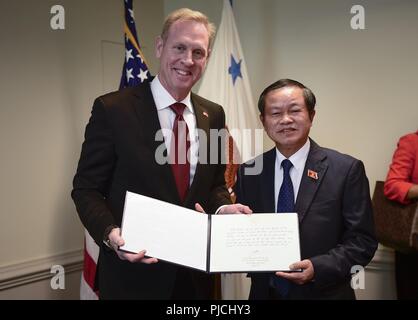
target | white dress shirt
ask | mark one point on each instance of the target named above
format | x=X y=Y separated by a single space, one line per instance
x=298 y=160
x=163 y=100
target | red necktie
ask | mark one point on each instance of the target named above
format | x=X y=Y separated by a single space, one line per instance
x=180 y=146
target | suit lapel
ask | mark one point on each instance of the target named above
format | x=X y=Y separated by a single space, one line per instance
x=202 y=123
x=267 y=181
x=147 y=114
x=309 y=185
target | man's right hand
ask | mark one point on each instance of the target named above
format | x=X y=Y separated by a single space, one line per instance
x=235 y=208
x=115 y=240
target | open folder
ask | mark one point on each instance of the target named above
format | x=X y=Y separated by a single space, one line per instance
x=260 y=242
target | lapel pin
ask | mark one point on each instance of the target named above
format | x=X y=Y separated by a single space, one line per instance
x=312 y=174
x=205 y=114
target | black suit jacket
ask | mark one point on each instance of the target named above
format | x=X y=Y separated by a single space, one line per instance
x=118 y=155
x=335 y=218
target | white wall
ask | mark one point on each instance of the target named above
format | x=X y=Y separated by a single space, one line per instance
x=41 y=290
x=364 y=80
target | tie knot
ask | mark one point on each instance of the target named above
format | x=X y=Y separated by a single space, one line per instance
x=287 y=164
x=178 y=108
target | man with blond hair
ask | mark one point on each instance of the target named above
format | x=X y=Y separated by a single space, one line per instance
x=119 y=154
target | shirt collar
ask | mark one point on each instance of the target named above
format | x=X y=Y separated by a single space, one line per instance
x=163 y=99
x=299 y=158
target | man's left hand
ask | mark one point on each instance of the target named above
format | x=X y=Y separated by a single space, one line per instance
x=303 y=277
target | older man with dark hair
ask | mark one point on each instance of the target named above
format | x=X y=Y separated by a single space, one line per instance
x=328 y=190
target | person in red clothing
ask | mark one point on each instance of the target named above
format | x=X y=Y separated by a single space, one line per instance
x=402 y=181
x=401 y=185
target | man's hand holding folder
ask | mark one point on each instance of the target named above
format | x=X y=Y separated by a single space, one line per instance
x=262 y=242
x=231 y=208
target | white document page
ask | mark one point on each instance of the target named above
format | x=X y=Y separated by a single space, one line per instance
x=255 y=242
x=168 y=232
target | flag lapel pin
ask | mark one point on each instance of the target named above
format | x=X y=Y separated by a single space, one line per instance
x=205 y=114
x=313 y=174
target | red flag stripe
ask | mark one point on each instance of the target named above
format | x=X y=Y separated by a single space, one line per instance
x=89 y=270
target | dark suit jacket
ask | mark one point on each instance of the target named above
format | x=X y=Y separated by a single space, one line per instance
x=118 y=155
x=335 y=220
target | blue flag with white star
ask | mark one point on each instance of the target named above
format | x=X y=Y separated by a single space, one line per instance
x=135 y=69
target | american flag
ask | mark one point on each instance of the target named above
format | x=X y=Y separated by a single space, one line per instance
x=135 y=69
x=134 y=72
